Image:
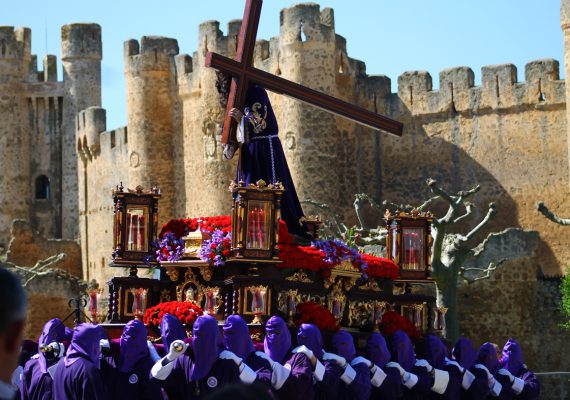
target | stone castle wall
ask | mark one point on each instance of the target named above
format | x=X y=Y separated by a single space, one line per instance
x=37 y=134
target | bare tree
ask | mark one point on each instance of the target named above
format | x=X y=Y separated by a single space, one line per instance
x=550 y=215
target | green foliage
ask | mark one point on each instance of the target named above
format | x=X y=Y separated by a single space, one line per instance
x=565 y=298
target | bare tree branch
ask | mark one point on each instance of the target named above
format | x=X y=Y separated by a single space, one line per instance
x=432 y=183
x=464 y=195
x=490 y=215
x=469 y=207
x=402 y=207
x=550 y=215
x=485 y=272
x=427 y=202
x=340 y=226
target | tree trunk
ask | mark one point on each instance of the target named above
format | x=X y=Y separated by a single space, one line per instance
x=447 y=297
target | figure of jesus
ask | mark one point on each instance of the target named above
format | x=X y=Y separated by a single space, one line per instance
x=262 y=156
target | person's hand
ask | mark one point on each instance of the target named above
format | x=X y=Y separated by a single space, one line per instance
x=393 y=364
x=228 y=355
x=507 y=373
x=177 y=348
x=341 y=361
x=58 y=349
x=263 y=355
x=104 y=344
x=236 y=114
x=425 y=364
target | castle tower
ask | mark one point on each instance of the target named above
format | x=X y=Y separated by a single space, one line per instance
x=15 y=187
x=81 y=54
x=151 y=103
x=208 y=173
x=565 y=24
x=306 y=53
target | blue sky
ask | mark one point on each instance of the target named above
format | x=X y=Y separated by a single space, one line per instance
x=391 y=36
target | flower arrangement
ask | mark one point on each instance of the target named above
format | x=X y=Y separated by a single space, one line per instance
x=313 y=313
x=392 y=322
x=217 y=249
x=186 y=311
x=168 y=248
x=320 y=256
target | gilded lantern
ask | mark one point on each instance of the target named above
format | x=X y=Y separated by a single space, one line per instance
x=135 y=225
x=256 y=212
x=409 y=242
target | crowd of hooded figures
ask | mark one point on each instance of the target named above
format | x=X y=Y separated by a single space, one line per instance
x=85 y=364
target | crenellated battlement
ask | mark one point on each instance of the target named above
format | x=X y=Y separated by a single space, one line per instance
x=152 y=53
x=94 y=140
x=499 y=89
x=81 y=41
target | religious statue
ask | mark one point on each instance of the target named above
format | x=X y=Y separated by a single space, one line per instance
x=262 y=156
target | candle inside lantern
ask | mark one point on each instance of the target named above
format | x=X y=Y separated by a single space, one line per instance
x=139 y=301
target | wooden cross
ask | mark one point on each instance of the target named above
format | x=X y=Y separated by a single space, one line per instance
x=244 y=74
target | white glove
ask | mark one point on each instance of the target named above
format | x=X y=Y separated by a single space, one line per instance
x=264 y=356
x=393 y=364
x=506 y=372
x=361 y=360
x=304 y=350
x=104 y=344
x=177 y=348
x=58 y=349
x=425 y=364
x=228 y=355
x=152 y=351
x=341 y=361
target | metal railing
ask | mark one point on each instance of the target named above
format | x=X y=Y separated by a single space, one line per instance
x=554 y=385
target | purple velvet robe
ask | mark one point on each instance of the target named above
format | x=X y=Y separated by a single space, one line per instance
x=35 y=385
x=128 y=374
x=488 y=357
x=360 y=387
x=238 y=341
x=464 y=353
x=403 y=353
x=512 y=360
x=262 y=157
x=36 y=382
x=436 y=352
x=78 y=376
x=277 y=345
x=200 y=371
x=179 y=387
x=299 y=385
x=378 y=353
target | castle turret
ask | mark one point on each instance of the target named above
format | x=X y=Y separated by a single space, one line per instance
x=307 y=54
x=81 y=54
x=150 y=77
x=15 y=187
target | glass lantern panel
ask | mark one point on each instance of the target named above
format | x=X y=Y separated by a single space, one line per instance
x=412 y=257
x=137 y=228
x=394 y=241
x=256 y=297
x=258 y=224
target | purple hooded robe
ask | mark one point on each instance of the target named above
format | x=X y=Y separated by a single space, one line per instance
x=37 y=383
x=77 y=376
x=201 y=372
x=464 y=353
x=277 y=345
x=512 y=361
x=310 y=336
x=360 y=388
x=488 y=358
x=403 y=353
x=128 y=375
x=238 y=341
x=377 y=352
x=436 y=353
x=262 y=156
